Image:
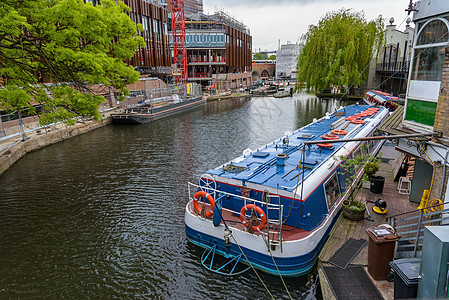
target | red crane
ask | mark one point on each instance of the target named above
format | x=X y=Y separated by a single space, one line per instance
x=179 y=40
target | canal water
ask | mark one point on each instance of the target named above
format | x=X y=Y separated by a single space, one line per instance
x=101 y=215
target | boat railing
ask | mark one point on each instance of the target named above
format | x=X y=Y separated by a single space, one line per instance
x=271 y=205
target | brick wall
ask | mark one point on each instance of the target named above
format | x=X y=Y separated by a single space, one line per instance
x=442 y=113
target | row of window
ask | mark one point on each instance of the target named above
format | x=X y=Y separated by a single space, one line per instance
x=207 y=38
x=157 y=25
x=332 y=186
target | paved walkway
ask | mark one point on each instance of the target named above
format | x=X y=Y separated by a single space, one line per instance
x=346 y=229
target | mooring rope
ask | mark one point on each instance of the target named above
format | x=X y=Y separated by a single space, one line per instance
x=252 y=267
x=279 y=272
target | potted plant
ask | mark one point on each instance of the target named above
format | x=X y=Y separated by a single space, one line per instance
x=352 y=208
x=370 y=169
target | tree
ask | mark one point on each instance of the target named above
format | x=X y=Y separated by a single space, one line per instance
x=338 y=51
x=80 y=47
x=259 y=56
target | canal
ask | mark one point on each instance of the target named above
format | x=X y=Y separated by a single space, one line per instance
x=101 y=215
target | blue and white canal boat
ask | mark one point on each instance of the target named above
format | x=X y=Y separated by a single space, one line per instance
x=273 y=208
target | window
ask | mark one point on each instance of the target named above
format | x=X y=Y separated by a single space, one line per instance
x=429 y=47
x=332 y=190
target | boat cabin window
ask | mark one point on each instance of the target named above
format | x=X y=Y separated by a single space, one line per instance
x=332 y=190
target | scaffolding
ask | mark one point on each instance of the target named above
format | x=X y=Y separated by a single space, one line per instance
x=179 y=41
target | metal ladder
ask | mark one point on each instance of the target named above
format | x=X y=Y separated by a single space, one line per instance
x=273 y=229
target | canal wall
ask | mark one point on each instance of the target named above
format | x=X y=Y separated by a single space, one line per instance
x=12 y=150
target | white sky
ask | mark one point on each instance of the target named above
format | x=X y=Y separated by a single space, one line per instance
x=287 y=20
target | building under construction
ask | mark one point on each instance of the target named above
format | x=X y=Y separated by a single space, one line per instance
x=218 y=50
x=193 y=7
x=286 y=61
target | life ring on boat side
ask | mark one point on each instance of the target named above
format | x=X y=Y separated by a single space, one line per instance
x=331 y=136
x=208 y=197
x=325 y=145
x=339 y=132
x=358 y=122
x=259 y=211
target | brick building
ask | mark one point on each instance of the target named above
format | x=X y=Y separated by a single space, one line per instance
x=427 y=101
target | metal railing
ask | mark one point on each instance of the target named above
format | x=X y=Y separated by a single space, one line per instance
x=272 y=232
x=156 y=97
x=393 y=66
x=410 y=226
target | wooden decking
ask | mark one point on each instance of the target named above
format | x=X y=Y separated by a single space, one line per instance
x=345 y=229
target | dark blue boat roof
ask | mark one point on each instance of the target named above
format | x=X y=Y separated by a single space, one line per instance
x=260 y=166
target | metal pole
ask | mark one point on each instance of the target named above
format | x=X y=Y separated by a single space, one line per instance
x=371 y=138
x=21 y=127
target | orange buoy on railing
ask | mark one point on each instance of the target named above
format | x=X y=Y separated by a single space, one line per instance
x=339 y=132
x=259 y=211
x=358 y=122
x=331 y=136
x=209 y=198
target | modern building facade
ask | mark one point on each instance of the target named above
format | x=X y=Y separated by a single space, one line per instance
x=193 y=7
x=218 y=45
x=154 y=59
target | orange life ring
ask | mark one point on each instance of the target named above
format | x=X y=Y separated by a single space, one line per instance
x=350 y=118
x=358 y=122
x=325 y=145
x=208 y=197
x=259 y=211
x=339 y=132
x=331 y=136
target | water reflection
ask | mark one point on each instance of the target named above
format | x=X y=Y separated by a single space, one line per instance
x=101 y=215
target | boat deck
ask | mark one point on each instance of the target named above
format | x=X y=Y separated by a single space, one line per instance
x=289 y=233
x=345 y=229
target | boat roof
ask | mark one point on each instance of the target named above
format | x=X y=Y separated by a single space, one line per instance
x=261 y=166
x=381 y=97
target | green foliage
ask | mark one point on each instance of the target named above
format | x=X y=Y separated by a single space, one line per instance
x=338 y=50
x=262 y=56
x=351 y=166
x=356 y=205
x=371 y=168
x=259 y=56
x=79 y=46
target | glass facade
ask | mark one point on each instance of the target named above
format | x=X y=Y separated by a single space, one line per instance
x=206 y=40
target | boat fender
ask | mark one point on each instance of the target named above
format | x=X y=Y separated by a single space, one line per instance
x=211 y=200
x=216 y=218
x=259 y=211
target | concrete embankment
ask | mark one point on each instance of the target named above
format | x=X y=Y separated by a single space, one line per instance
x=12 y=149
x=227 y=96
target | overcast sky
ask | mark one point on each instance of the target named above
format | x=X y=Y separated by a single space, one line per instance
x=287 y=20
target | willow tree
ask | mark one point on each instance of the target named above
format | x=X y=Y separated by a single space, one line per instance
x=75 y=45
x=338 y=51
